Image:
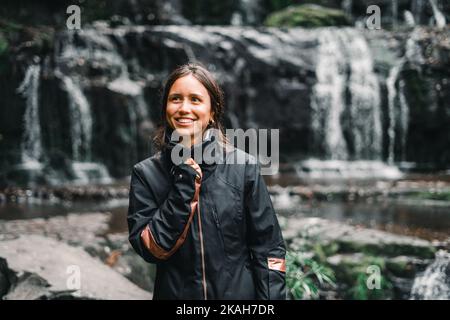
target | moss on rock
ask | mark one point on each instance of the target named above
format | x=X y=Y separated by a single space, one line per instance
x=388 y=249
x=308 y=16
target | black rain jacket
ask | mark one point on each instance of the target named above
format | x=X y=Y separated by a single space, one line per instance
x=211 y=228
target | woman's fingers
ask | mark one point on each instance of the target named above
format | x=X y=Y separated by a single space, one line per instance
x=194 y=165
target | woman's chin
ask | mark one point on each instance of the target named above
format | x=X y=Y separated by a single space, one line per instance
x=183 y=131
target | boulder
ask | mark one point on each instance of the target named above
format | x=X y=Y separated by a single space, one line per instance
x=91 y=232
x=357 y=239
x=38 y=267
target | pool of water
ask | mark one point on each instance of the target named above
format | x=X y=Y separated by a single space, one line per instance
x=428 y=221
x=431 y=222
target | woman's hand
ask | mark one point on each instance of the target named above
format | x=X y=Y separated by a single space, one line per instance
x=191 y=162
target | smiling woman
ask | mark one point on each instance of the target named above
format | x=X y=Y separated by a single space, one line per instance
x=210 y=227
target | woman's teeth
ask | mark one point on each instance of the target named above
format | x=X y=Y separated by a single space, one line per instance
x=185 y=120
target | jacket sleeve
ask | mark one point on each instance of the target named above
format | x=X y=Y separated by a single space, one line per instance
x=264 y=239
x=155 y=232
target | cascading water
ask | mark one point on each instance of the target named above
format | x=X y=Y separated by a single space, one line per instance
x=344 y=63
x=347 y=83
x=346 y=6
x=364 y=90
x=95 y=46
x=417 y=9
x=439 y=17
x=434 y=283
x=398 y=112
x=398 y=107
x=81 y=120
x=409 y=18
x=248 y=13
x=327 y=102
x=392 y=96
x=325 y=77
x=31 y=141
x=395 y=13
x=404 y=119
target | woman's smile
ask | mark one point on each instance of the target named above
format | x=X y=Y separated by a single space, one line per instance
x=184 y=121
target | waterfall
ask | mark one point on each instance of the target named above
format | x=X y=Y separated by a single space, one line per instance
x=398 y=108
x=409 y=18
x=247 y=13
x=395 y=98
x=346 y=6
x=327 y=102
x=138 y=109
x=439 y=17
x=434 y=283
x=95 y=47
x=250 y=9
x=364 y=106
x=417 y=9
x=413 y=50
x=404 y=119
x=398 y=112
x=344 y=62
x=31 y=141
x=80 y=120
x=395 y=13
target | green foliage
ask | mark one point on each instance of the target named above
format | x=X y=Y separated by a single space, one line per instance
x=309 y=16
x=361 y=291
x=3 y=44
x=355 y=274
x=323 y=250
x=387 y=249
x=13 y=34
x=438 y=195
x=304 y=276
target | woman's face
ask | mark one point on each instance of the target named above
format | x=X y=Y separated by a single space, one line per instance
x=188 y=109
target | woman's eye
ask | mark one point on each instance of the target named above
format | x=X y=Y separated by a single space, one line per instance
x=175 y=99
x=194 y=99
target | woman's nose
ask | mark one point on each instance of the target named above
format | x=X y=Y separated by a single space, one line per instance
x=185 y=106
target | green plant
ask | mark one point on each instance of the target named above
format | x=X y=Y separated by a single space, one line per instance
x=361 y=291
x=306 y=15
x=440 y=195
x=305 y=276
x=3 y=44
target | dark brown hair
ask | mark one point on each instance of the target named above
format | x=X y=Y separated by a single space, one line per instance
x=216 y=95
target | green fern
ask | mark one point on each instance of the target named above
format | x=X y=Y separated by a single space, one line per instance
x=305 y=277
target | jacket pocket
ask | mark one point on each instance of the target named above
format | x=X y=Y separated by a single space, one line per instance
x=235 y=196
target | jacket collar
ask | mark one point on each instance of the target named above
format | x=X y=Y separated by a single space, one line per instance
x=209 y=139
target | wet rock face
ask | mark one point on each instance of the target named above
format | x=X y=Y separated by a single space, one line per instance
x=45 y=268
x=88 y=233
x=102 y=84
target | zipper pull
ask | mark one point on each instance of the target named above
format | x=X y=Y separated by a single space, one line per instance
x=216 y=218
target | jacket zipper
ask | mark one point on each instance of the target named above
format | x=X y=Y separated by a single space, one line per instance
x=216 y=220
x=202 y=251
